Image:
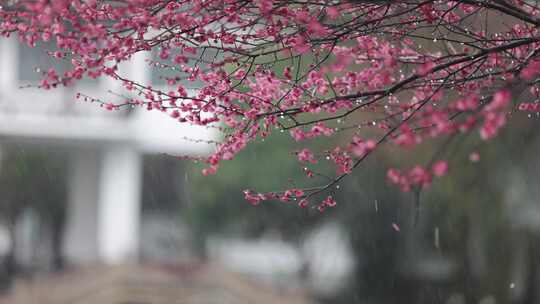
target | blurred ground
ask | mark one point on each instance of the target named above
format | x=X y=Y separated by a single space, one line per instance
x=147 y=284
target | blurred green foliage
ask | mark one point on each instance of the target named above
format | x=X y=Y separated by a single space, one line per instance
x=32 y=179
x=217 y=201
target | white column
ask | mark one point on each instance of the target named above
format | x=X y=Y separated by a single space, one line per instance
x=8 y=62
x=119 y=205
x=80 y=239
x=137 y=68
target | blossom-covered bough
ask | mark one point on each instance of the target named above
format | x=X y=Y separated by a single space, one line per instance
x=374 y=73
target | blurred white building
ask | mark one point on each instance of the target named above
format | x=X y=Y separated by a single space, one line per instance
x=105 y=149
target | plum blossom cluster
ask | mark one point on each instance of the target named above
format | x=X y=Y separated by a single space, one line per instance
x=529 y=106
x=288 y=196
x=370 y=75
x=417 y=177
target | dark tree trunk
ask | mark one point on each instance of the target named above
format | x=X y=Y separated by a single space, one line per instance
x=57 y=231
x=531 y=291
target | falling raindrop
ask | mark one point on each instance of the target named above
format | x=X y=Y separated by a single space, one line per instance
x=436 y=238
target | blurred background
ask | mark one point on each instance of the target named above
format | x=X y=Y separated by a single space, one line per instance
x=96 y=208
